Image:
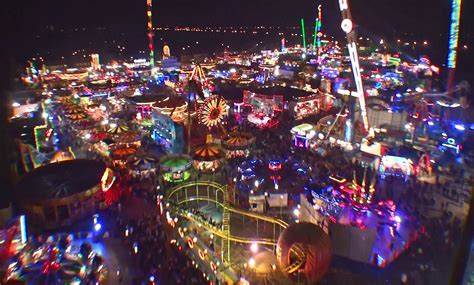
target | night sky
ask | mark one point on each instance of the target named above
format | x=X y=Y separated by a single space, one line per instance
x=376 y=18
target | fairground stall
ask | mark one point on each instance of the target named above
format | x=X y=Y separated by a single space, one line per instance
x=238 y=144
x=175 y=168
x=302 y=134
x=59 y=194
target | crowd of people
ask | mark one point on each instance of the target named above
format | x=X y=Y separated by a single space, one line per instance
x=160 y=262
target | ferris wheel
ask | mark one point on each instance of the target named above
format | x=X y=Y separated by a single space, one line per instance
x=213 y=111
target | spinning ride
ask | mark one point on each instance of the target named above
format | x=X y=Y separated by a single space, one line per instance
x=213 y=111
x=55 y=264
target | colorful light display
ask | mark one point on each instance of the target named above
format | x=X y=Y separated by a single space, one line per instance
x=317 y=30
x=454 y=32
x=213 y=111
x=150 y=32
x=453 y=40
x=303 y=34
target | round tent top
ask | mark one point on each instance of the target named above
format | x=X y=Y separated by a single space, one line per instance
x=85 y=124
x=238 y=140
x=96 y=136
x=60 y=179
x=117 y=129
x=142 y=162
x=129 y=137
x=208 y=152
x=122 y=152
x=77 y=116
x=175 y=163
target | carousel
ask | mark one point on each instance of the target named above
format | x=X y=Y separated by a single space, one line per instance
x=61 y=193
x=116 y=129
x=175 y=107
x=238 y=144
x=120 y=153
x=175 y=168
x=129 y=138
x=142 y=165
x=207 y=157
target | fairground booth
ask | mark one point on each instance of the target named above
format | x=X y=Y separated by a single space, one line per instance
x=302 y=134
x=59 y=194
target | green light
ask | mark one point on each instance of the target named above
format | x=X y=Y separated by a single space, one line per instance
x=303 y=33
x=316 y=25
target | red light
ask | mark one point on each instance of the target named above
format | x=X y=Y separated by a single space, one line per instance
x=359 y=221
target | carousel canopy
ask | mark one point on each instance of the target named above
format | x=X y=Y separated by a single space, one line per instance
x=117 y=129
x=96 y=136
x=76 y=116
x=142 y=162
x=85 y=124
x=60 y=179
x=207 y=152
x=129 y=137
x=238 y=140
x=123 y=152
x=175 y=163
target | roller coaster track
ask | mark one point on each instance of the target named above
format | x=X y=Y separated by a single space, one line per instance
x=175 y=202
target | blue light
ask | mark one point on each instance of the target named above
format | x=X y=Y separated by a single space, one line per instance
x=152 y=278
x=97 y=227
x=459 y=127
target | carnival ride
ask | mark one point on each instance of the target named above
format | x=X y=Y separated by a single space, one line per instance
x=213 y=111
x=229 y=231
x=57 y=263
x=198 y=79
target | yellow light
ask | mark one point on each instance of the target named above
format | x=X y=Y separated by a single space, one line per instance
x=251 y=262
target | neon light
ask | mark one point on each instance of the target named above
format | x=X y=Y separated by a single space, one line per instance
x=315 y=36
x=23 y=229
x=454 y=33
x=303 y=34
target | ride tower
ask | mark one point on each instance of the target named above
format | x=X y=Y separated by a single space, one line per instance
x=150 y=33
x=347 y=26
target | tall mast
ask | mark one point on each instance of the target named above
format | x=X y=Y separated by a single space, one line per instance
x=150 y=32
x=348 y=27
